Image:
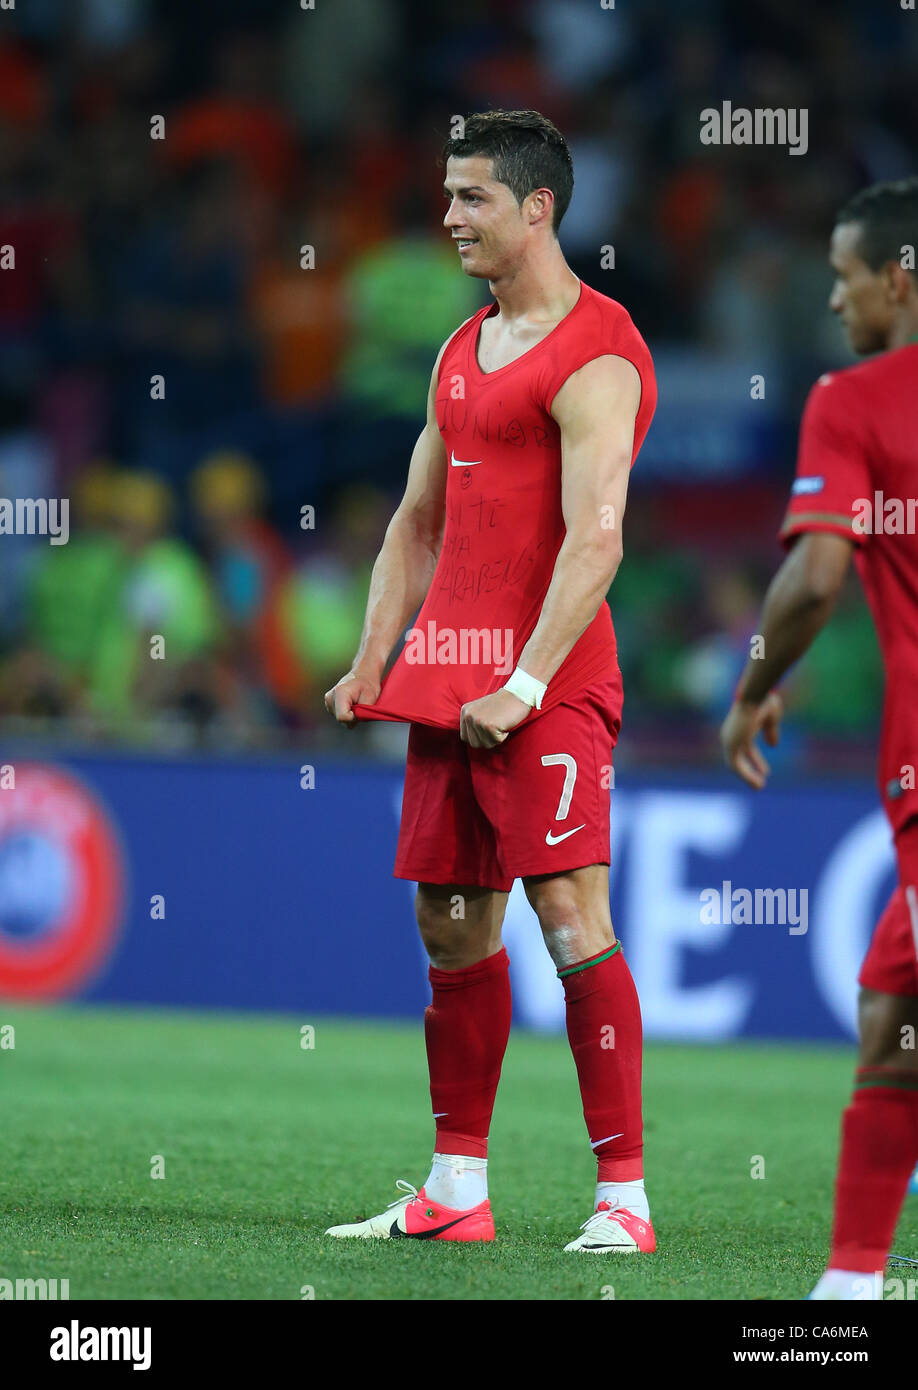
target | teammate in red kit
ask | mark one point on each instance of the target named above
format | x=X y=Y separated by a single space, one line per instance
x=857 y=472
x=510 y=533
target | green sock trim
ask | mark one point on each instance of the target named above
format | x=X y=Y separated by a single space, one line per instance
x=898 y=1083
x=563 y=974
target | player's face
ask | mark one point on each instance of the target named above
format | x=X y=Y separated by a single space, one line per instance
x=860 y=296
x=482 y=218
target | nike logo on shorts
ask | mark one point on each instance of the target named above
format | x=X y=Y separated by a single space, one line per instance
x=461 y=463
x=551 y=839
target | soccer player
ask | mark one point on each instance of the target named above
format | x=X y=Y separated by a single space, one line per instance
x=856 y=493
x=510 y=531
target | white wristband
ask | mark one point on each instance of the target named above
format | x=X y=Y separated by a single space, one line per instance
x=526 y=688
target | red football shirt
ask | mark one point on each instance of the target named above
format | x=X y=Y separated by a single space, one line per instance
x=504 y=524
x=857 y=473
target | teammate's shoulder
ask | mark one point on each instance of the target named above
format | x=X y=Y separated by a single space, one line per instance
x=839 y=388
x=850 y=381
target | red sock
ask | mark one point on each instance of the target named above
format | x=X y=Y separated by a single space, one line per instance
x=604 y=1029
x=466 y=1027
x=878 y=1152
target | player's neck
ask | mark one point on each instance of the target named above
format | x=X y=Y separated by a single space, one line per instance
x=903 y=332
x=537 y=292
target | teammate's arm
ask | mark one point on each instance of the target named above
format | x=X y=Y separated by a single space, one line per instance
x=596 y=410
x=403 y=570
x=798 y=604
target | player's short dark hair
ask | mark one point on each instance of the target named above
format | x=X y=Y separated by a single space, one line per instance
x=527 y=153
x=888 y=218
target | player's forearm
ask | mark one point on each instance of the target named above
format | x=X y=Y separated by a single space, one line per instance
x=401 y=577
x=792 y=617
x=579 y=584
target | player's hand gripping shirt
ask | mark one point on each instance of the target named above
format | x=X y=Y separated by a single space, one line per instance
x=504 y=524
x=857 y=476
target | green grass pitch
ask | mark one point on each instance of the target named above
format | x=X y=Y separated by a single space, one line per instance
x=265 y=1143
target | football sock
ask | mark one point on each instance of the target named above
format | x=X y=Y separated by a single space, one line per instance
x=878 y=1151
x=604 y=1030
x=466 y=1028
x=624 y=1194
x=457 y=1180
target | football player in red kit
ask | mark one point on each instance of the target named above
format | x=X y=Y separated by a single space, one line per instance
x=508 y=537
x=856 y=494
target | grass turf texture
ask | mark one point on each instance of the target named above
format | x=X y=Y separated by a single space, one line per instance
x=265 y=1144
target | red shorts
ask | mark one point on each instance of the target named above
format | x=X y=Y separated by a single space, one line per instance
x=538 y=803
x=891 y=963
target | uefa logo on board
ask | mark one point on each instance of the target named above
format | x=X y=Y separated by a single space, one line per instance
x=61 y=884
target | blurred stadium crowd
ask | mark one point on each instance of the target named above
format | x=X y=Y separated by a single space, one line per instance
x=297 y=376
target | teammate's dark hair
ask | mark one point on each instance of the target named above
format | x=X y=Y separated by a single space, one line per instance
x=888 y=218
x=527 y=151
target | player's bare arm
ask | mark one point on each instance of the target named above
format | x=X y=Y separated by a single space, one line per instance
x=403 y=570
x=799 y=603
x=595 y=410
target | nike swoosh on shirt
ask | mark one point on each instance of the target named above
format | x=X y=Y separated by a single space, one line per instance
x=551 y=839
x=462 y=463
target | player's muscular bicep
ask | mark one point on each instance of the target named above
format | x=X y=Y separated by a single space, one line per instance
x=596 y=409
x=818 y=563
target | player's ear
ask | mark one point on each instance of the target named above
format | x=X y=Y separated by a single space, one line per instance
x=901 y=282
x=542 y=203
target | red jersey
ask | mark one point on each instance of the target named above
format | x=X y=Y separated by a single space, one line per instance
x=857 y=476
x=504 y=525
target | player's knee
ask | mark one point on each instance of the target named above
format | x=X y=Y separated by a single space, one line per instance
x=566 y=943
x=459 y=927
x=444 y=942
x=431 y=924
x=555 y=903
x=887 y=1027
x=572 y=930
x=564 y=932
